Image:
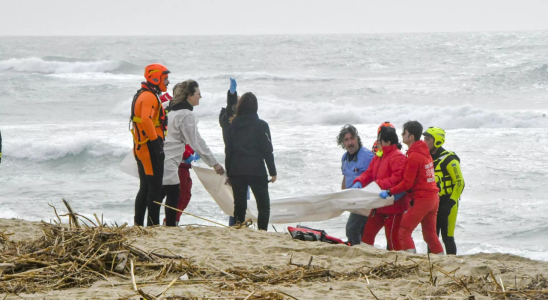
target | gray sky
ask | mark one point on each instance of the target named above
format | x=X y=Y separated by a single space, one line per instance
x=235 y=17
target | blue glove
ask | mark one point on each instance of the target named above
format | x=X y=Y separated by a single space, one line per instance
x=384 y=194
x=233 y=85
x=357 y=185
x=196 y=156
x=189 y=160
x=398 y=196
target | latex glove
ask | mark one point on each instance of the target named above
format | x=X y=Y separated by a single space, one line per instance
x=190 y=159
x=196 y=156
x=233 y=85
x=357 y=185
x=384 y=194
x=398 y=196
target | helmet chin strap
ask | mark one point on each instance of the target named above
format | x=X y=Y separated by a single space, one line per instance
x=153 y=87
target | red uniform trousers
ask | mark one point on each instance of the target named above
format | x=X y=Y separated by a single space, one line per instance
x=185 y=187
x=424 y=212
x=391 y=223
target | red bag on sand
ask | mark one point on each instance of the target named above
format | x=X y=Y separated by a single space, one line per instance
x=308 y=234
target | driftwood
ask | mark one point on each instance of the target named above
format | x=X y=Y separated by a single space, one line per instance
x=78 y=254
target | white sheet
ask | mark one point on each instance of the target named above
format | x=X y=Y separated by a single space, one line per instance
x=306 y=208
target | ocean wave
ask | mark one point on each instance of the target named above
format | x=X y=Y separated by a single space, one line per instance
x=61 y=65
x=261 y=76
x=448 y=117
x=47 y=150
x=274 y=109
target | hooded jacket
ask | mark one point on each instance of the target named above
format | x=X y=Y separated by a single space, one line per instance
x=248 y=147
x=418 y=177
x=387 y=172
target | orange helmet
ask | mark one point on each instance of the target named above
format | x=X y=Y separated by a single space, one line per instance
x=385 y=124
x=155 y=74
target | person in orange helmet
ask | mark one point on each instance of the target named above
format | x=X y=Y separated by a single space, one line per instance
x=149 y=123
x=375 y=147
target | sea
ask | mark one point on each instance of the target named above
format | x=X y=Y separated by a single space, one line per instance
x=65 y=106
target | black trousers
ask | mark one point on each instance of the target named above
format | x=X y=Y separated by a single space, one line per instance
x=150 y=190
x=172 y=198
x=259 y=187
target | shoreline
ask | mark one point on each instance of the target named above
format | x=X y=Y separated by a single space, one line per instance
x=220 y=251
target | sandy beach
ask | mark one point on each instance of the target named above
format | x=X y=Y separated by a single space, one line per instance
x=360 y=272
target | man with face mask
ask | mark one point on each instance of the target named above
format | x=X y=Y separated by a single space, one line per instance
x=354 y=161
x=450 y=183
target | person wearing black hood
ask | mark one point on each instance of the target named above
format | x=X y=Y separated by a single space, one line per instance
x=248 y=147
x=182 y=130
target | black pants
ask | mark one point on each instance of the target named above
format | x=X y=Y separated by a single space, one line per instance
x=150 y=190
x=172 y=198
x=259 y=187
x=442 y=226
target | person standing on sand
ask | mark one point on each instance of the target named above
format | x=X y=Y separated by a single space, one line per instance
x=248 y=147
x=185 y=186
x=354 y=162
x=148 y=120
x=182 y=131
x=386 y=170
x=420 y=184
x=225 y=116
x=450 y=183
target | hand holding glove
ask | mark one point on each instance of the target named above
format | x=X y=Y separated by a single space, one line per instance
x=357 y=185
x=233 y=85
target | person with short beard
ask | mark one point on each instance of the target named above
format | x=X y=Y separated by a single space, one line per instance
x=354 y=161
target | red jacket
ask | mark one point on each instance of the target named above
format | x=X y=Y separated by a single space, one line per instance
x=387 y=172
x=418 y=178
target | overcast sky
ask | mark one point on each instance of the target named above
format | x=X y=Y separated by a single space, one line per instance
x=236 y=17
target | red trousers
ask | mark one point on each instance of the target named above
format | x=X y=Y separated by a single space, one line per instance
x=391 y=223
x=424 y=212
x=185 y=186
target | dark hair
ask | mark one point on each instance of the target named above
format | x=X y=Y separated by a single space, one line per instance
x=388 y=134
x=246 y=105
x=414 y=128
x=182 y=90
x=348 y=129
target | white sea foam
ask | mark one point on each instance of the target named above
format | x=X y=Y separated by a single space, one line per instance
x=38 y=65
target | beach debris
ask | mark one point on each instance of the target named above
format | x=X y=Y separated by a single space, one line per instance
x=81 y=251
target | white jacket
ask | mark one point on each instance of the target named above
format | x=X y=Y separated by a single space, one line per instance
x=182 y=129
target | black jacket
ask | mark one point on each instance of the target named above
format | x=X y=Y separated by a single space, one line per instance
x=228 y=112
x=248 y=147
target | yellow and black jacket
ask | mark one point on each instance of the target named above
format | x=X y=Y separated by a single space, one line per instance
x=448 y=178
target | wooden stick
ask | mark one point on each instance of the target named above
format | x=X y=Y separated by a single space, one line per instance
x=228 y=274
x=133 y=276
x=371 y=292
x=190 y=214
x=74 y=218
x=167 y=288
